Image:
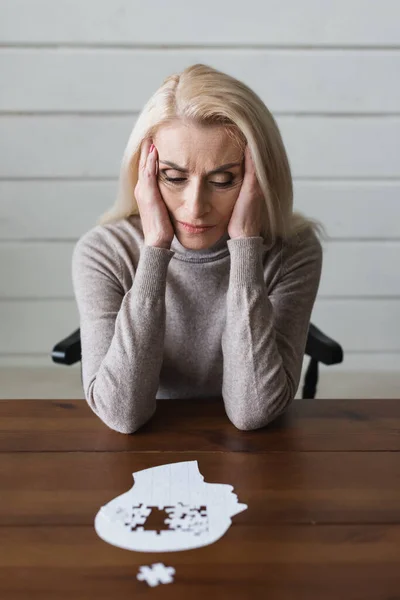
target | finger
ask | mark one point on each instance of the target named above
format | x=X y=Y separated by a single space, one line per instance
x=249 y=160
x=151 y=160
x=156 y=165
x=144 y=153
x=248 y=171
x=252 y=178
x=151 y=166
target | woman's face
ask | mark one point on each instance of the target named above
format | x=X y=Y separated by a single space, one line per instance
x=198 y=196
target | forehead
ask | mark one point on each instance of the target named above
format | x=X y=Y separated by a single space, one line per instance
x=196 y=148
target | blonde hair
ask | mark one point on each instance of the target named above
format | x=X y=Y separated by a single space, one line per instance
x=205 y=96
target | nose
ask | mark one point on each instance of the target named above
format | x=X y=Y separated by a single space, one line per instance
x=196 y=200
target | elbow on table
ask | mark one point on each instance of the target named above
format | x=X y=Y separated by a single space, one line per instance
x=250 y=422
x=118 y=420
x=125 y=426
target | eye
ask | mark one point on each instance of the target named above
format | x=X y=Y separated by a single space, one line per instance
x=178 y=180
x=174 y=179
x=222 y=184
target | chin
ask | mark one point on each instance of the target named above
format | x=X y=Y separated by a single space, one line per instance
x=191 y=244
x=199 y=241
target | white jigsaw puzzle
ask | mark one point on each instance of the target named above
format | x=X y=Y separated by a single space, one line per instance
x=187 y=518
x=138 y=515
x=156 y=574
x=194 y=513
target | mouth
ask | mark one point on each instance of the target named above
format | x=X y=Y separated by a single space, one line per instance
x=195 y=228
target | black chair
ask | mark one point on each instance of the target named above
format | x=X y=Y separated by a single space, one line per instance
x=319 y=347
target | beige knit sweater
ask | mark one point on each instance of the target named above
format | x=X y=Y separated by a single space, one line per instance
x=229 y=321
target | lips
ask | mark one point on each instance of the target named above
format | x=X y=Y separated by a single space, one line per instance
x=195 y=226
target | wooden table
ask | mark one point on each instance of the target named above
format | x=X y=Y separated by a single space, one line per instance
x=322 y=484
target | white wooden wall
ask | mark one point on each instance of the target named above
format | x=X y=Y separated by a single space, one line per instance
x=74 y=75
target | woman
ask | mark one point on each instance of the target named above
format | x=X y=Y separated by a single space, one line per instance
x=168 y=311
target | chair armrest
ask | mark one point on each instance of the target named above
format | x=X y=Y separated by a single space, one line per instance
x=68 y=351
x=322 y=348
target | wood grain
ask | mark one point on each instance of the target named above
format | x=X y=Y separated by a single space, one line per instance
x=322 y=485
x=279 y=562
x=316 y=487
x=202 y=425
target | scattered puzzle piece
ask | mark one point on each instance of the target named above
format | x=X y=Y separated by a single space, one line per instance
x=156 y=574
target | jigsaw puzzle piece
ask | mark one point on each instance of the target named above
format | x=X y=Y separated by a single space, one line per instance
x=156 y=574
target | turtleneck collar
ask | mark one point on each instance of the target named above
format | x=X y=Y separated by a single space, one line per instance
x=218 y=250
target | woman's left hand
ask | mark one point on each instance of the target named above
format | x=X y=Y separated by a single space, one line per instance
x=246 y=217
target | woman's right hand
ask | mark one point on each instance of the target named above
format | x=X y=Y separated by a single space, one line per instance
x=157 y=227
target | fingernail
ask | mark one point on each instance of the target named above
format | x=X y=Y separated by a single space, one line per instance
x=151 y=148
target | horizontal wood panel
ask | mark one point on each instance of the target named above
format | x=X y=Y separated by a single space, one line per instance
x=337 y=487
x=350 y=269
x=358 y=325
x=36 y=326
x=338 y=22
x=307 y=562
x=301 y=81
x=53 y=210
x=360 y=269
x=201 y=425
x=366 y=545
x=92 y=146
x=337 y=56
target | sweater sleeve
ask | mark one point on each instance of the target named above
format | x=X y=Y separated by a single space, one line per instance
x=265 y=336
x=122 y=335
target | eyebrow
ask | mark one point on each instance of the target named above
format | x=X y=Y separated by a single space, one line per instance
x=221 y=168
